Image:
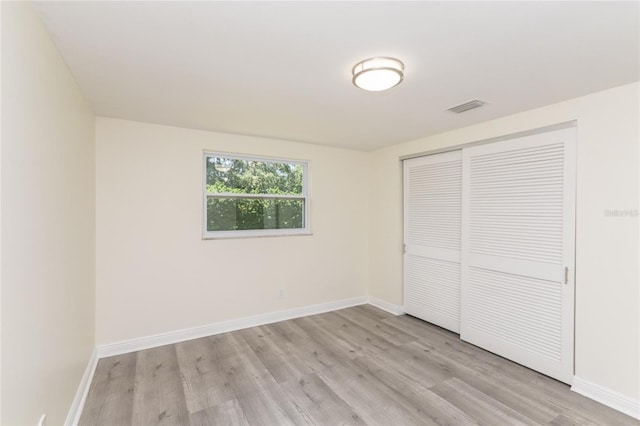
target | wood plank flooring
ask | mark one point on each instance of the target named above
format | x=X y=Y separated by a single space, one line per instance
x=355 y=366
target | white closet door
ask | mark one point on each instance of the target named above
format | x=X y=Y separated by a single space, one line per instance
x=432 y=231
x=518 y=250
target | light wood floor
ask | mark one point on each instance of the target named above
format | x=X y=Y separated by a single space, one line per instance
x=354 y=366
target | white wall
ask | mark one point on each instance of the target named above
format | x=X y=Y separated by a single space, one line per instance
x=607 y=280
x=47 y=224
x=154 y=271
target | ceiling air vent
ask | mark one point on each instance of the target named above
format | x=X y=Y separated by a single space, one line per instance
x=476 y=103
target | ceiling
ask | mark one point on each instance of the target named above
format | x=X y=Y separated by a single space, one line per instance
x=283 y=69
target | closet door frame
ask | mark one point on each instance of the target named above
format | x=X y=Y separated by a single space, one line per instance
x=569 y=216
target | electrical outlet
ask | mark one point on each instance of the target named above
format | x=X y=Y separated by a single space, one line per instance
x=43 y=420
x=282 y=293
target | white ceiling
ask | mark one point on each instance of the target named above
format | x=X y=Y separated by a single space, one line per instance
x=283 y=69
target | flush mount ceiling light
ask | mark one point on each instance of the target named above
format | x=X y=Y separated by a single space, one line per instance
x=377 y=74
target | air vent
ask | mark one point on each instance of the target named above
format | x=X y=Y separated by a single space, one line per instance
x=476 y=103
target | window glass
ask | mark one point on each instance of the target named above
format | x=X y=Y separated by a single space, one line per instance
x=254 y=196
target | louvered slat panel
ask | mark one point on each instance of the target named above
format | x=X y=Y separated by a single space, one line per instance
x=433 y=286
x=434 y=204
x=525 y=312
x=528 y=171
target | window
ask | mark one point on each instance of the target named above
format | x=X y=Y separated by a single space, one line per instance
x=245 y=197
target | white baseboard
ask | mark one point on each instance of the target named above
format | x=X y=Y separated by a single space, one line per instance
x=222 y=327
x=73 y=417
x=386 y=306
x=608 y=397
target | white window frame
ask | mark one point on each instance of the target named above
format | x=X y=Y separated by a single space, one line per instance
x=209 y=235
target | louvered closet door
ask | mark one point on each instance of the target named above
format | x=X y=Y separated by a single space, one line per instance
x=517 y=240
x=432 y=208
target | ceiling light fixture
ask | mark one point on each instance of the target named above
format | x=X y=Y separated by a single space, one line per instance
x=377 y=74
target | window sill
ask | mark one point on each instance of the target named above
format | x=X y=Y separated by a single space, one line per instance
x=226 y=235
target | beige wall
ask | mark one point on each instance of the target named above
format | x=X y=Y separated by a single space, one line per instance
x=156 y=274
x=607 y=281
x=0 y=229
x=47 y=224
